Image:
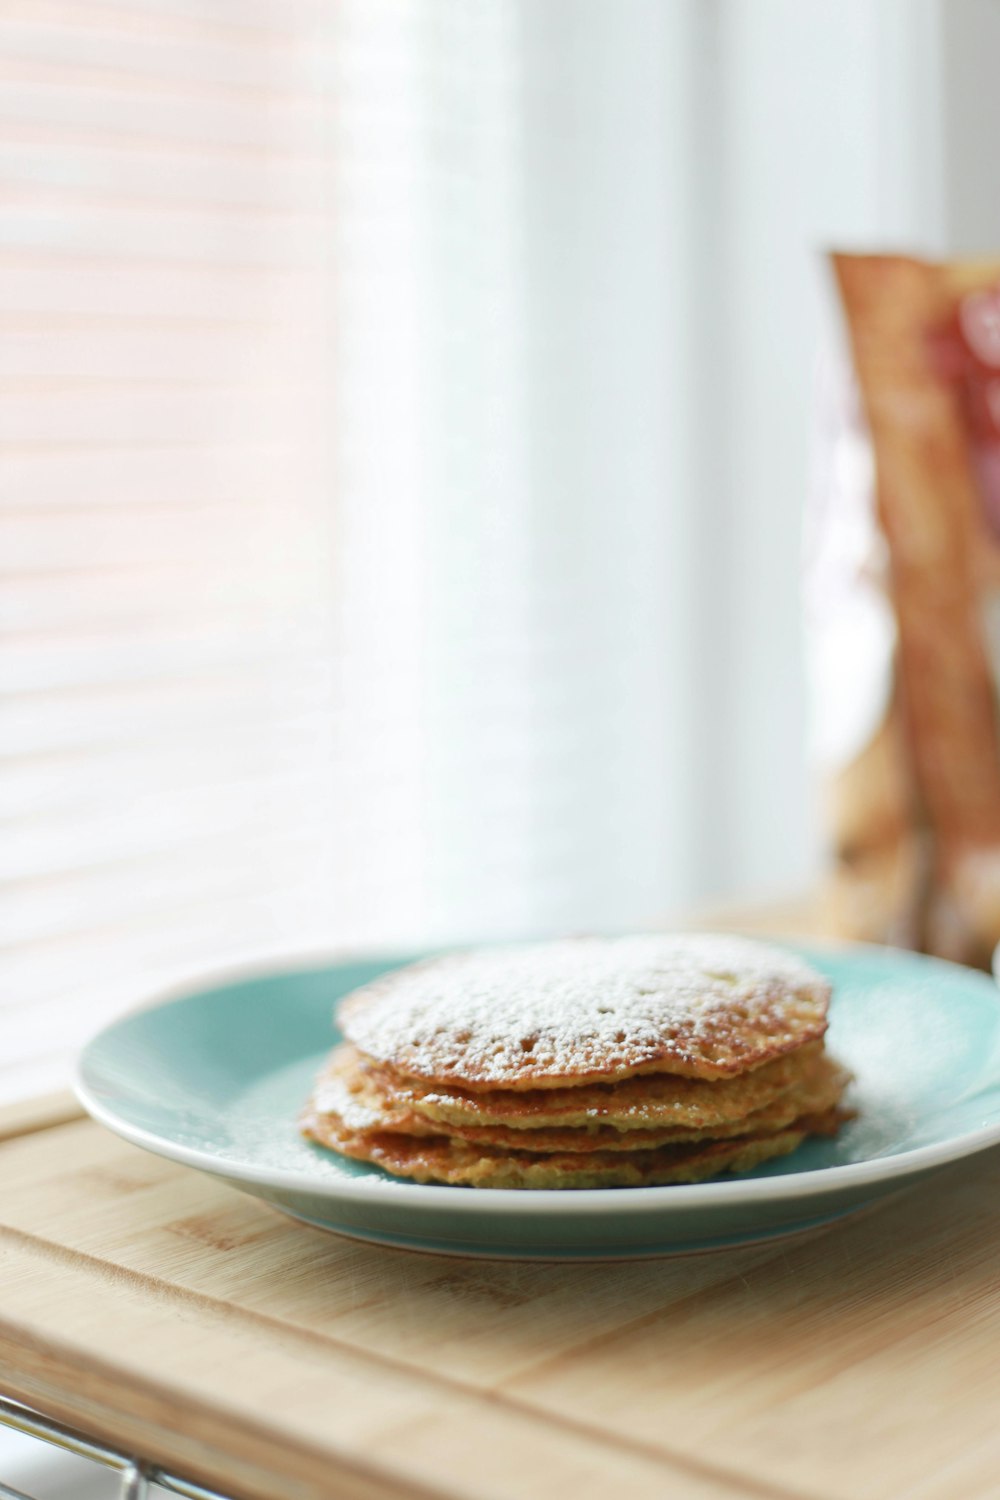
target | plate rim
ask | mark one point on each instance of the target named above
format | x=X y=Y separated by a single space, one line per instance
x=592 y=1202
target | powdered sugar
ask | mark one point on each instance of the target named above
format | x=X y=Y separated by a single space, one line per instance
x=548 y=1013
x=332 y=1096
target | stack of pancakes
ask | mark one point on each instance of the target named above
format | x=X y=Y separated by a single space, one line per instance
x=585 y=1063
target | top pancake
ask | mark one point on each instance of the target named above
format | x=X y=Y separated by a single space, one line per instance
x=556 y=1015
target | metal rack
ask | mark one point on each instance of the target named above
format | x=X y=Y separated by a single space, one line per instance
x=136 y=1474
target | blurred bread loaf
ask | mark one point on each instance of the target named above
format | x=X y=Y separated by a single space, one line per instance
x=911 y=609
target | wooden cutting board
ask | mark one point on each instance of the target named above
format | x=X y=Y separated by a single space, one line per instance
x=165 y=1312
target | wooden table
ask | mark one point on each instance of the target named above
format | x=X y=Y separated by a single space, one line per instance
x=167 y=1313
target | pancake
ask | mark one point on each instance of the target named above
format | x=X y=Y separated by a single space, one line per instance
x=352 y=1094
x=439 y=1159
x=347 y=1088
x=660 y=1100
x=558 y=1015
x=812 y=1098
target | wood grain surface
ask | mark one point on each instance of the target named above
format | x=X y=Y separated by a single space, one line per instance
x=165 y=1311
x=26 y=1115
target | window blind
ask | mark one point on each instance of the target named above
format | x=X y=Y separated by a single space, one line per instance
x=165 y=561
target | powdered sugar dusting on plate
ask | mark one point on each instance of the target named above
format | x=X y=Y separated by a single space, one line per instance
x=550 y=1013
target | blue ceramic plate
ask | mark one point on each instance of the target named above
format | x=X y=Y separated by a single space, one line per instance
x=214 y=1078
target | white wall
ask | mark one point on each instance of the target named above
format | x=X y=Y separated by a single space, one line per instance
x=970 y=99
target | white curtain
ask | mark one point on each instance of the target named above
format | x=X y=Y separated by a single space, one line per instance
x=507 y=436
x=404 y=410
x=580 y=296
